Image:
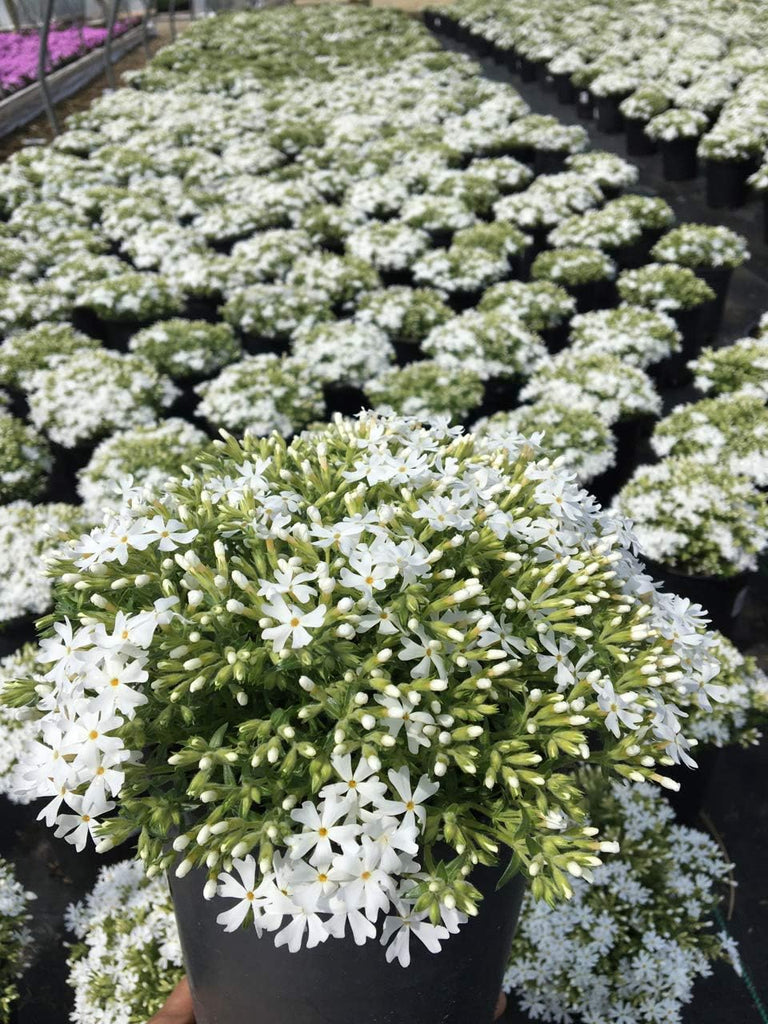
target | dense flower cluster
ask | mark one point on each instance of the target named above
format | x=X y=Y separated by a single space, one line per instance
x=15 y=937
x=17 y=731
x=730 y=431
x=630 y=944
x=454 y=578
x=126 y=957
x=25 y=460
x=19 y=51
x=29 y=534
x=144 y=458
x=697 y=518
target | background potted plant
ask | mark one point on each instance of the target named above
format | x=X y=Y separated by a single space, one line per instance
x=713 y=252
x=677 y=132
x=701 y=529
x=731 y=155
x=646 y=102
x=330 y=629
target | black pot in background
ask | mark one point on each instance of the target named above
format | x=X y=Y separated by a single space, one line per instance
x=678 y=159
x=255 y=344
x=609 y=118
x=638 y=143
x=565 y=90
x=344 y=398
x=632 y=449
x=506 y=56
x=765 y=217
x=501 y=394
x=393 y=278
x=556 y=338
x=199 y=308
x=688 y=802
x=15 y=634
x=727 y=182
x=238 y=978
x=585 y=105
x=67 y=462
x=719 y=280
x=696 y=327
x=549 y=161
x=723 y=597
x=461 y=300
x=593 y=295
x=407 y=352
x=115 y=334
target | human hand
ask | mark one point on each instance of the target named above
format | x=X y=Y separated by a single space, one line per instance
x=178 y=1008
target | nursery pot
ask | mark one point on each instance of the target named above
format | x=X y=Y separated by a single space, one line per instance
x=549 y=161
x=556 y=338
x=632 y=448
x=565 y=89
x=678 y=159
x=500 y=394
x=723 y=597
x=689 y=800
x=638 y=143
x=609 y=118
x=696 y=327
x=344 y=398
x=593 y=295
x=765 y=217
x=585 y=105
x=239 y=978
x=16 y=633
x=727 y=182
x=719 y=280
x=407 y=352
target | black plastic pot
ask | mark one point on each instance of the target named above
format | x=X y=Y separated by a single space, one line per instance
x=501 y=394
x=678 y=159
x=593 y=295
x=407 y=352
x=506 y=56
x=344 y=398
x=723 y=597
x=461 y=300
x=393 y=278
x=727 y=182
x=696 y=327
x=15 y=634
x=609 y=118
x=549 y=161
x=765 y=217
x=585 y=105
x=688 y=802
x=239 y=978
x=719 y=280
x=255 y=344
x=565 y=89
x=638 y=143
x=199 y=308
x=556 y=338
x=632 y=448
x=113 y=333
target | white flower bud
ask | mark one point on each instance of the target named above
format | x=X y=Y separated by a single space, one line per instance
x=209 y=890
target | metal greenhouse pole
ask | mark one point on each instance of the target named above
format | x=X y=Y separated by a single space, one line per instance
x=42 y=61
x=109 y=68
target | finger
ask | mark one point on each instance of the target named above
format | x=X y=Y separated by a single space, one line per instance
x=178 y=1008
x=501 y=1006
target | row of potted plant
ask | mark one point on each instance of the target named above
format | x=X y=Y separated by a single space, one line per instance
x=19 y=51
x=637 y=68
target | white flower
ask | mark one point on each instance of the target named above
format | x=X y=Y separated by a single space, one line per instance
x=294 y=623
